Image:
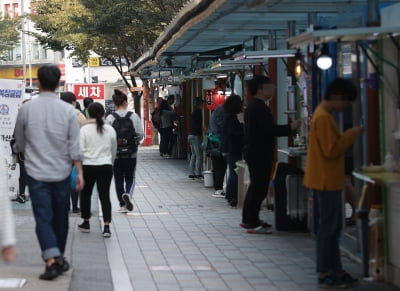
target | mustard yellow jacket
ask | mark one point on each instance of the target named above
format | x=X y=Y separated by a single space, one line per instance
x=325 y=156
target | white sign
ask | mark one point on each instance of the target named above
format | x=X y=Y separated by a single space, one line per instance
x=11 y=96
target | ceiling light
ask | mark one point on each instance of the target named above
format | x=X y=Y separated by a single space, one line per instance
x=324 y=61
x=298 y=69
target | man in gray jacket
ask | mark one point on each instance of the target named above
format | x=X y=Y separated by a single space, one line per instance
x=47 y=132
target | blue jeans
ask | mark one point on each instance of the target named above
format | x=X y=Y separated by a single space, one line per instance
x=329 y=230
x=124 y=177
x=232 y=184
x=50 y=205
x=195 y=157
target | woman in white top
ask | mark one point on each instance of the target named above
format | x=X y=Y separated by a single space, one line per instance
x=98 y=143
x=7 y=225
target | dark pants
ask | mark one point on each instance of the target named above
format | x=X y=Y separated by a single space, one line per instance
x=22 y=176
x=124 y=177
x=166 y=142
x=50 y=205
x=101 y=175
x=232 y=185
x=74 y=199
x=329 y=230
x=260 y=171
x=219 y=169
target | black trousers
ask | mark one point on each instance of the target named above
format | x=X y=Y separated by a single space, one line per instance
x=219 y=165
x=166 y=142
x=260 y=171
x=100 y=175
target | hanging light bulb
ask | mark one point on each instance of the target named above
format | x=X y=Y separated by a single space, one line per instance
x=298 y=69
x=324 y=61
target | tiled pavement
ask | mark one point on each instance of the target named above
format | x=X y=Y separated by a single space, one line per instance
x=177 y=238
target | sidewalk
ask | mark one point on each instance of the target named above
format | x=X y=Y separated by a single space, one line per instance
x=177 y=238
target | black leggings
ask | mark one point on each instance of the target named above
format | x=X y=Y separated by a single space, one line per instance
x=101 y=175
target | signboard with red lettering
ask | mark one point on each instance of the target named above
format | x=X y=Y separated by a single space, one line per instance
x=94 y=91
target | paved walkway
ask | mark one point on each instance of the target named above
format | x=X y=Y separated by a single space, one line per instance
x=177 y=238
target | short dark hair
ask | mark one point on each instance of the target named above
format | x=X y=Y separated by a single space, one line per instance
x=68 y=97
x=233 y=104
x=341 y=86
x=119 y=97
x=87 y=101
x=49 y=76
x=256 y=83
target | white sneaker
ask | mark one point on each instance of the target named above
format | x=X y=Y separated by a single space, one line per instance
x=219 y=194
x=123 y=210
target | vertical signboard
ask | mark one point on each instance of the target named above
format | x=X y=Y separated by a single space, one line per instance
x=11 y=95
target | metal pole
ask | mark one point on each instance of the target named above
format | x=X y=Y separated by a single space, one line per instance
x=23 y=49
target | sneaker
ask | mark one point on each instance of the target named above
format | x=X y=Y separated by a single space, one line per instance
x=200 y=177
x=63 y=265
x=259 y=230
x=76 y=210
x=219 y=194
x=123 y=210
x=191 y=177
x=85 y=226
x=166 y=156
x=106 y=231
x=331 y=282
x=50 y=272
x=261 y=223
x=128 y=201
x=19 y=199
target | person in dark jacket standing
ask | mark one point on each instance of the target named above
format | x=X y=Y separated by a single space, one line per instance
x=219 y=164
x=232 y=144
x=195 y=137
x=260 y=138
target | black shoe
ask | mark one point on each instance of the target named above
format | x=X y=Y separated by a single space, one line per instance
x=76 y=210
x=50 y=272
x=191 y=177
x=128 y=201
x=63 y=265
x=85 y=226
x=19 y=199
x=106 y=231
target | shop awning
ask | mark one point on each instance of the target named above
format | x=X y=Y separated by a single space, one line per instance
x=342 y=34
x=208 y=30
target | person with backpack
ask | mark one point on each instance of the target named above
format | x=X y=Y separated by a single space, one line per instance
x=129 y=129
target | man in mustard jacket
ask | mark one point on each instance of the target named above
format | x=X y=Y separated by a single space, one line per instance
x=324 y=174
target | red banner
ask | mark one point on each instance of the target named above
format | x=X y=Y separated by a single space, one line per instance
x=94 y=91
x=149 y=133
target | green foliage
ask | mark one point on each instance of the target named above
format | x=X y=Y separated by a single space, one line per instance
x=110 y=28
x=9 y=34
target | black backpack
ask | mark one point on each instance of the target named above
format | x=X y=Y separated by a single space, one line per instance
x=126 y=134
x=156 y=117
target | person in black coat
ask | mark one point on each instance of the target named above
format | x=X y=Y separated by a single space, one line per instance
x=232 y=144
x=260 y=138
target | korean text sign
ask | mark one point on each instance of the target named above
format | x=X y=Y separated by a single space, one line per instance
x=94 y=91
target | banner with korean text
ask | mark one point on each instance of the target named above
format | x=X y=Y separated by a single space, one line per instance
x=11 y=96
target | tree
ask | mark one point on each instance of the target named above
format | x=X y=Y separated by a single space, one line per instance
x=114 y=29
x=9 y=34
